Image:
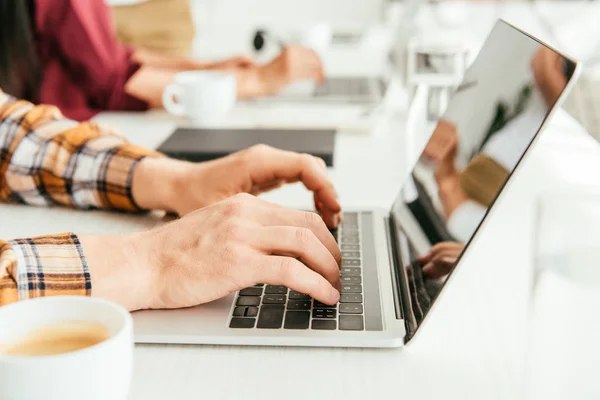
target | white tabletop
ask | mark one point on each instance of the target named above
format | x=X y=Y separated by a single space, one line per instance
x=471 y=346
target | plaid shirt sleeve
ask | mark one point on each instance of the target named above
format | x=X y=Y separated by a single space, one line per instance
x=43 y=266
x=46 y=159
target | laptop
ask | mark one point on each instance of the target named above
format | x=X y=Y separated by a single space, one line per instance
x=360 y=90
x=389 y=283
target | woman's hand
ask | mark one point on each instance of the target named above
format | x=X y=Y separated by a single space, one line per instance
x=294 y=63
x=212 y=252
x=183 y=187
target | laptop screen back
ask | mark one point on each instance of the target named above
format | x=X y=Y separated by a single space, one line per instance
x=491 y=120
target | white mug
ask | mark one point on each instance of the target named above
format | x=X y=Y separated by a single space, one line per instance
x=203 y=96
x=99 y=372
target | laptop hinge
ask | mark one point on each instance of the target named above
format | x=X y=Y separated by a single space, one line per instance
x=401 y=291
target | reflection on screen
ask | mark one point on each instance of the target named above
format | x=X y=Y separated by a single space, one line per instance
x=490 y=121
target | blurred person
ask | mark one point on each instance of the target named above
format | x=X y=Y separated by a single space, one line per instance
x=226 y=240
x=65 y=53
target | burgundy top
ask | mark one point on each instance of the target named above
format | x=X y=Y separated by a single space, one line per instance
x=85 y=68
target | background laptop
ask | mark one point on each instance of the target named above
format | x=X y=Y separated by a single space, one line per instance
x=387 y=290
x=351 y=90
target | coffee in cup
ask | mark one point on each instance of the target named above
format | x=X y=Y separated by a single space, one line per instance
x=57 y=338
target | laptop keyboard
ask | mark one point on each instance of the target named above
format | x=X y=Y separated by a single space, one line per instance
x=344 y=87
x=277 y=307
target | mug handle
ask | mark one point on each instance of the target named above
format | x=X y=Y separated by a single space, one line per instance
x=171 y=99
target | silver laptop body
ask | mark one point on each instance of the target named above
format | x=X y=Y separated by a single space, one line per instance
x=388 y=287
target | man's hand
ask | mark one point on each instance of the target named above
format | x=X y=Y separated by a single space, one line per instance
x=440 y=259
x=183 y=187
x=217 y=250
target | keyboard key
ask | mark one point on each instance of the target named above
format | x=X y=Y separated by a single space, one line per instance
x=298 y=296
x=324 y=324
x=350 y=254
x=351 y=323
x=297 y=320
x=350 y=308
x=350 y=247
x=248 y=301
x=351 y=279
x=251 y=291
x=270 y=316
x=239 y=311
x=272 y=289
x=350 y=271
x=352 y=240
x=299 y=305
x=350 y=263
x=349 y=288
x=350 y=298
x=259 y=285
x=251 y=311
x=273 y=299
x=318 y=304
x=328 y=313
x=244 y=323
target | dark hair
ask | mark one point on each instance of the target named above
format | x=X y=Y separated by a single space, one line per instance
x=19 y=64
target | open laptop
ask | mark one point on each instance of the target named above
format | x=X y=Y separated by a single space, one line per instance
x=352 y=90
x=389 y=285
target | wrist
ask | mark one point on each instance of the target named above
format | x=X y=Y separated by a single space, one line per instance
x=156 y=183
x=122 y=268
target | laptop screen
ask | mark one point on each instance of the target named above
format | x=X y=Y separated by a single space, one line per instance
x=491 y=120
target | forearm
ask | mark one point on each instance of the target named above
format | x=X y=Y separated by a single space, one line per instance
x=151 y=59
x=148 y=84
x=156 y=183
x=52 y=160
x=121 y=268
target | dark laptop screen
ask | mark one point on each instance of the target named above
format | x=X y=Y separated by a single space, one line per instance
x=490 y=122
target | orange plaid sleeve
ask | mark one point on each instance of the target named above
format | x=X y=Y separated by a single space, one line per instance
x=43 y=266
x=46 y=159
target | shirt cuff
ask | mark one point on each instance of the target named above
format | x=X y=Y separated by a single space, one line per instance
x=43 y=266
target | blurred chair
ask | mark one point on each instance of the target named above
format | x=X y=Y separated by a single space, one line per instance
x=163 y=26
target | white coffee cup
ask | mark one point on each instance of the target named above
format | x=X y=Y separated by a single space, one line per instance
x=99 y=372
x=203 y=96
